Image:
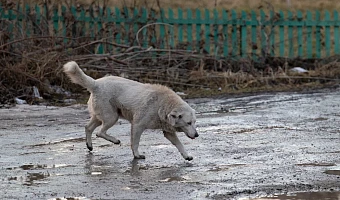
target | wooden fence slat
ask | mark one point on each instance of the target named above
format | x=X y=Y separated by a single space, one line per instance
x=118 y=33
x=225 y=35
x=317 y=35
x=198 y=29
x=336 y=33
x=144 y=31
x=162 y=30
x=309 y=35
x=282 y=36
x=189 y=30
x=272 y=34
x=207 y=30
x=215 y=31
x=264 y=44
x=254 y=43
x=243 y=38
x=300 y=35
x=291 y=36
x=327 y=35
x=234 y=38
x=171 y=30
x=180 y=24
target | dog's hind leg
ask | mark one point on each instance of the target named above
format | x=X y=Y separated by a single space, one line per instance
x=172 y=137
x=107 y=122
x=89 y=128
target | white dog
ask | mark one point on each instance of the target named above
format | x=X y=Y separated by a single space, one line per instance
x=146 y=106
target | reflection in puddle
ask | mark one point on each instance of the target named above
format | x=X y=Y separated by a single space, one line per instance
x=305 y=196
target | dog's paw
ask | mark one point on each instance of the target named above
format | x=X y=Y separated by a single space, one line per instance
x=140 y=157
x=90 y=148
x=189 y=158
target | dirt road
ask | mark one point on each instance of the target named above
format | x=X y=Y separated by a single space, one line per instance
x=249 y=147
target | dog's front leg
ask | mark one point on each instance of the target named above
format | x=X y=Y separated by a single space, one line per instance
x=136 y=132
x=172 y=137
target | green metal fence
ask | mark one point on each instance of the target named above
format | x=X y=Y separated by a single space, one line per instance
x=222 y=33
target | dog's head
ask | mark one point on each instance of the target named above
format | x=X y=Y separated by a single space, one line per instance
x=183 y=119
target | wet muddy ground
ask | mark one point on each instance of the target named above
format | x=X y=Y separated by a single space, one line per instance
x=265 y=146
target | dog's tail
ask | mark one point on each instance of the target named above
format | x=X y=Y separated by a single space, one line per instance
x=77 y=76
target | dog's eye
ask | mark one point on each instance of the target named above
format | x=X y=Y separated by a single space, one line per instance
x=189 y=123
x=180 y=116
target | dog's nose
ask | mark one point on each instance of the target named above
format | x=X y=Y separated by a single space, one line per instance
x=196 y=134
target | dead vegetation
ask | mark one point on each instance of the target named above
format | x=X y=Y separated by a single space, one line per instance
x=32 y=54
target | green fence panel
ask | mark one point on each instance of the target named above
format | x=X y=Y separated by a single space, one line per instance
x=309 y=34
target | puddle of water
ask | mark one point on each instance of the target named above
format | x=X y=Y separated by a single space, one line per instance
x=175 y=179
x=38 y=166
x=333 y=172
x=70 y=198
x=316 y=164
x=224 y=167
x=30 y=179
x=305 y=196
